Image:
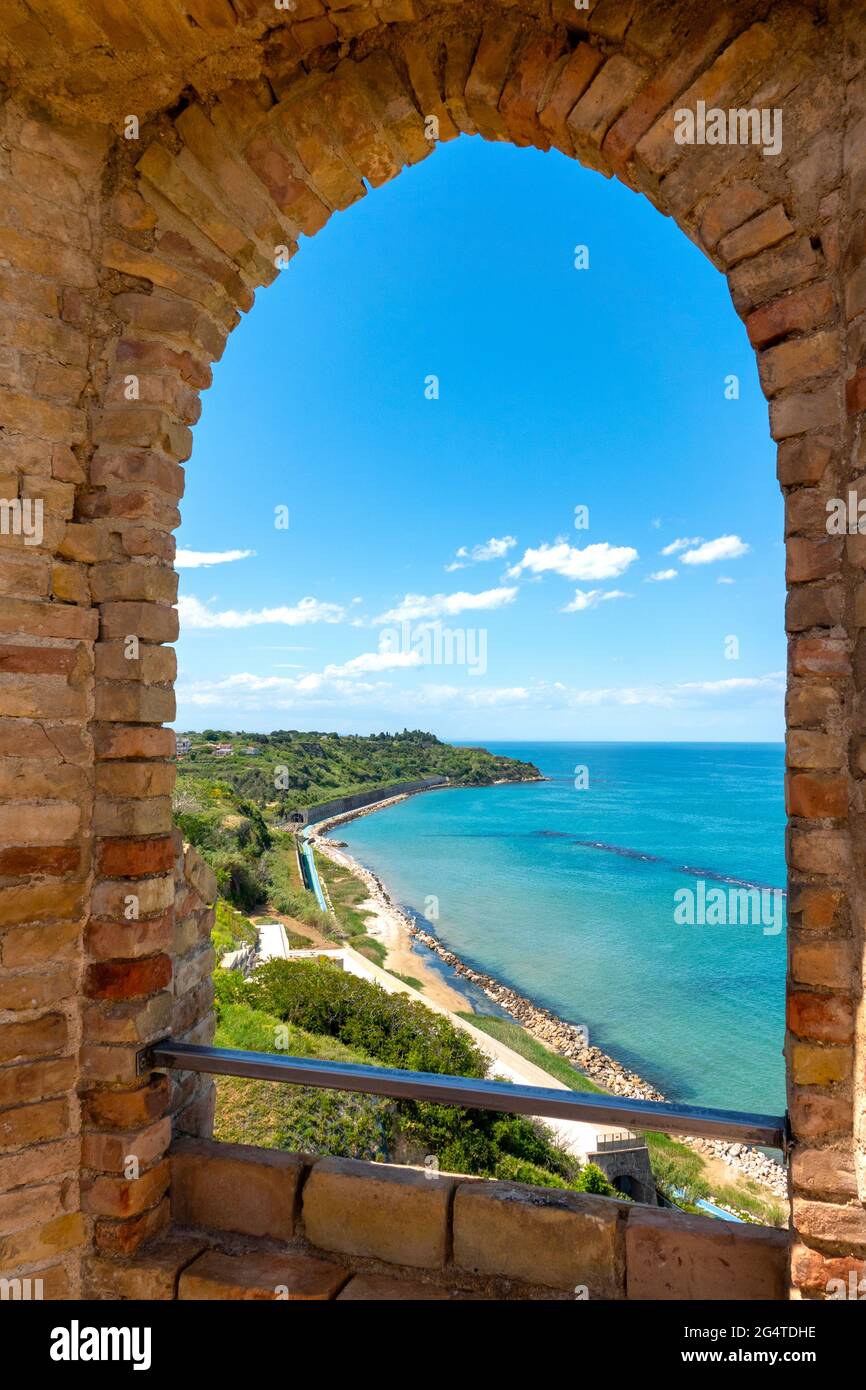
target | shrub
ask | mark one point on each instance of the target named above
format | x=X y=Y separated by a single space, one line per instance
x=319 y=998
x=396 y=1031
x=231 y=929
x=239 y=879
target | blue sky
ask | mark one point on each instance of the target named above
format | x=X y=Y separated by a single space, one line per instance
x=431 y=573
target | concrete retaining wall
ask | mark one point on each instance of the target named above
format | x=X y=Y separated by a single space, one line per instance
x=340 y=804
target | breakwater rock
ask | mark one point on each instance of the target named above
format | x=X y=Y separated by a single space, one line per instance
x=568 y=1039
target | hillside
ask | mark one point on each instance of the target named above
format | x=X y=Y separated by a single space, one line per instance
x=235 y=788
x=288 y=770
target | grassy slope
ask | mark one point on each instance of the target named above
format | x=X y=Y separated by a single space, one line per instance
x=346 y=892
x=294 y=1117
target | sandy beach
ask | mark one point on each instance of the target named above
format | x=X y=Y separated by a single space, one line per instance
x=385 y=921
x=397 y=931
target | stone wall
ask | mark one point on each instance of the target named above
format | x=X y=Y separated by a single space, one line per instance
x=192 y=1019
x=501 y=1239
x=339 y=805
x=158 y=162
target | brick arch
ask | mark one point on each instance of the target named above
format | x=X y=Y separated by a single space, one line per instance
x=256 y=137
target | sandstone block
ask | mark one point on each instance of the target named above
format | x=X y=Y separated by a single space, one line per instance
x=235 y=1187
x=562 y=1239
x=259 y=1276
x=693 y=1257
x=388 y=1213
x=151 y=1274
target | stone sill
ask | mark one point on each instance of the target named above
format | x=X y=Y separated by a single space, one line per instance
x=443 y=1237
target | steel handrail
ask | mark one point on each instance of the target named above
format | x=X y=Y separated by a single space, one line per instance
x=770 y=1131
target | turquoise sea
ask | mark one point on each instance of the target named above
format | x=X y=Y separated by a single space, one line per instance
x=567 y=895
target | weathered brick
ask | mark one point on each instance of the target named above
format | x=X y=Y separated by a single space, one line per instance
x=822 y=1017
x=768 y=228
x=148 y=817
x=124 y=1196
x=128 y=1109
x=813 y=1272
x=607 y=96
x=814 y=749
x=42 y=902
x=128 y=979
x=40 y=1242
x=36 y=989
x=135 y=857
x=819 y=1066
x=122 y=1238
x=568 y=82
x=149 y=1275
x=39 y=1037
x=798 y=360
x=817 y=797
x=804 y=410
x=136 y=1021
x=831 y=1222
x=33 y=1124
x=818 y=907
x=736 y=204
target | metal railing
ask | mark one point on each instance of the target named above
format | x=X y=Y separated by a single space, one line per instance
x=770 y=1131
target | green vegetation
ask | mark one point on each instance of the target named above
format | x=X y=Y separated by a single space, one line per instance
x=408 y=980
x=286 y=893
x=232 y=809
x=290 y=770
x=231 y=929
x=346 y=893
x=320 y=1008
x=294 y=1117
x=680 y=1172
x=515 y=1036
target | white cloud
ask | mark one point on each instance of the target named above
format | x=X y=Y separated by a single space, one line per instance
x=376 y=661
x=600 y=561
x=774 y=680
x=591 y=598
x=722 y=548
x=195 y=614
x=725 y=579
x=681 y=543
x=415 y=606
x=494 y=549
x=331 y=690
x=196 y=559
x=660 y=576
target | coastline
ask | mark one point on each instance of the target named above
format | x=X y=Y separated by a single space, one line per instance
x=564 y=1038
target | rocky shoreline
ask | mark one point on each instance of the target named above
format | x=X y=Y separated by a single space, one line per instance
x=567 y=1039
